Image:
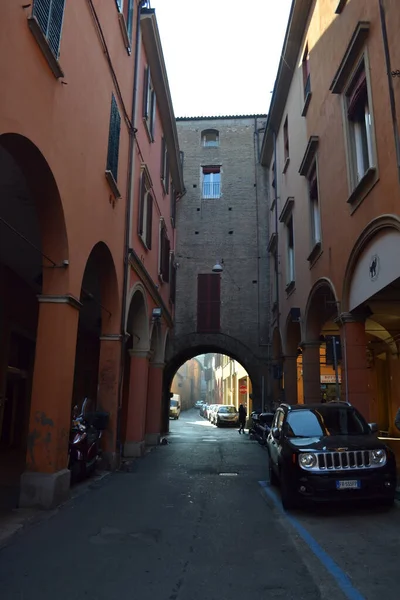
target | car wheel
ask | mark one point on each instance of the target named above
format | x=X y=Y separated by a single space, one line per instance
x=273 y=479
x=288 y=495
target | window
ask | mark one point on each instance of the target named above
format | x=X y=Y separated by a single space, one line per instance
x=210 y=138
x=306 y=81
x=164 y=250
x=286 y=138
x=125 y=8
x=273 y=179
x=149 y=104
x=211 y=182
x=314 y=206
x=172 y=197
x=164 y=166
x=172 y=278
x=208 y=303
x=306 y=72
x=359 y=126
x=290 y=276
x=286 y=217
x=49 y=15
x=145 y=218
x=113 y=140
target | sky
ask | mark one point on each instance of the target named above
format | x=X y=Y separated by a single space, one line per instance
x=221 y=56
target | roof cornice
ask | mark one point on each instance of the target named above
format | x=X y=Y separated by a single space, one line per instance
x=155 y=57
x=298 y=19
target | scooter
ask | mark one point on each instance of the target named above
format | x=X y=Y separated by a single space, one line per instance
x=85 y=441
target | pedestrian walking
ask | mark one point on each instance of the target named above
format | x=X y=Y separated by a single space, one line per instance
x=397 y=419
x=242 y=418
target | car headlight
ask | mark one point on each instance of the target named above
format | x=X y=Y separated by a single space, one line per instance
x=378 y=457
x=307 y=460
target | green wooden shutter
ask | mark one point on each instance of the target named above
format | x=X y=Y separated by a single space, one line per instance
x=113 y=139
x=50 y=15
x=142 y=195
x=149 y=221
x=146 y=80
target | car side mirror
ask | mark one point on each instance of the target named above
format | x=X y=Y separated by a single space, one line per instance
x=373 y=427
x=276 y=433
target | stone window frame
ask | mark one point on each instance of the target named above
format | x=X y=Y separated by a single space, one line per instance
x=345 y=77
x=307 y=167
x=287 y=218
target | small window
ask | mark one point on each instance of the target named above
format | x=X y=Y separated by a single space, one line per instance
x=211 y=187
x=290 y=274
x=172 y=197
x=359 y=126
x=164 y=250
x=172 y=278
x=149 y=103
x=286 y=139
x=126 y=7
x=273 y=176
x=210 y=138
x=164 y=166
x=145 y=217
x=314 y=206
x=306 y=73
x=113 y=140
x=50 y=15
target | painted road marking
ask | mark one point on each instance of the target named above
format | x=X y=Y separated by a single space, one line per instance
x=339 y=576
x=228 y=474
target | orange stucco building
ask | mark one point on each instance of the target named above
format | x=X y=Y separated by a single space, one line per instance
x=86 y=233
x=331 y=149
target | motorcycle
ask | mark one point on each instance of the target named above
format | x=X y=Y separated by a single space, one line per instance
x=85 y=441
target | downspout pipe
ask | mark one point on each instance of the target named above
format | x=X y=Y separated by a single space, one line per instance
x=128 y=216
x=390 y=84
x=278 y=315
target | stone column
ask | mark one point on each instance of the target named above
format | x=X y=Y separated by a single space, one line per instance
x=355 y=366
x=137 y=401
x=290 y=379
x=154 y=404
x=311 y=372
x=46 y=480
x=107 y=395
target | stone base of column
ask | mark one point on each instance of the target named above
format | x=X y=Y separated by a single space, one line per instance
x=152 y=439
x=44 y=490
x=111 y=461
x=134 y=449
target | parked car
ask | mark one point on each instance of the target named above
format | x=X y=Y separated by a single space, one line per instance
x=226 y=415
x=261 y=426
x=210 y=410
x=213 y=413
x=328 y=452
x=175 y=406
x=198 y=404
x=203 y=409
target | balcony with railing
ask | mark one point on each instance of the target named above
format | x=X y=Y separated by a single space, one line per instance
x=211 y=189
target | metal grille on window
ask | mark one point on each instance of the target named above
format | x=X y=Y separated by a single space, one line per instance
x=49 y=15
x=113 y=139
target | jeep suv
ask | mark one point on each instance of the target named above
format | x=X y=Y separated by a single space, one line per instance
x=328 y=452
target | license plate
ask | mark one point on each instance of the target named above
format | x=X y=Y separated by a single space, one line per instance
x=348 y=484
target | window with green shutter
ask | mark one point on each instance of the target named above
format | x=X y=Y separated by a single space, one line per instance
x=50 y=14
x=113 y=139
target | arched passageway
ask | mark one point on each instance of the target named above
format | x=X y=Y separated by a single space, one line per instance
x=180 y=350
x=33 y=275
x=97 y=356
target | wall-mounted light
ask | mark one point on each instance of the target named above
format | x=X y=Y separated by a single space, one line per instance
x=218 y=267
x=156 y=314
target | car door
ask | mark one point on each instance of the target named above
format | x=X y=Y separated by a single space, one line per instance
x=274 y=443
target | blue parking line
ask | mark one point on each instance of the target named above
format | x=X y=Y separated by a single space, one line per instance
x=339 y=576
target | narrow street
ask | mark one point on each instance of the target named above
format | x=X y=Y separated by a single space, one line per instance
x=191 y=521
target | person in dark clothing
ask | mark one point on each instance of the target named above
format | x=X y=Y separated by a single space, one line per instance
x=242 y=418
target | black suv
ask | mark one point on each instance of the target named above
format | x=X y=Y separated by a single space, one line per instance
x=328 y=452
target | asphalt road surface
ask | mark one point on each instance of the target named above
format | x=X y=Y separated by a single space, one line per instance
x=197 y=520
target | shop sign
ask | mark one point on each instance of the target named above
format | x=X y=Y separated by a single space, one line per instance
x=330 y=379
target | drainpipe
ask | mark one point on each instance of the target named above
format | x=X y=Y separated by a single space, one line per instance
x=277 y=239
x=390 y=84
x=128 y=215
